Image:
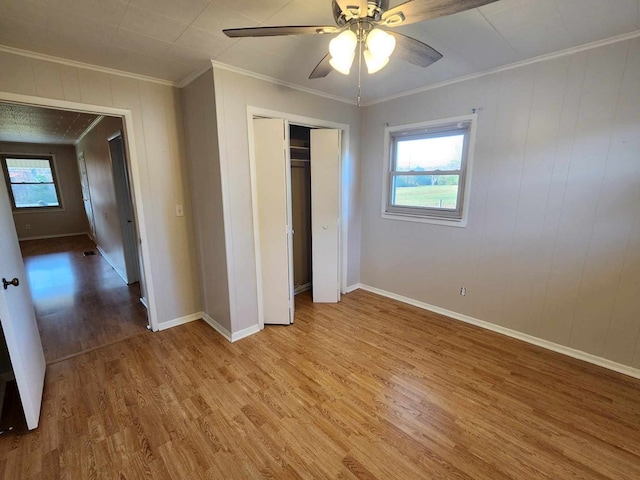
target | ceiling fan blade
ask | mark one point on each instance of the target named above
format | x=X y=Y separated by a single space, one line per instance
x=419 y=10
x=278 y=31
x=323 y=68
x=414 y=51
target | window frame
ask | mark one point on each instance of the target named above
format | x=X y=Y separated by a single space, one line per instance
x=54 y=174
x=430 y=129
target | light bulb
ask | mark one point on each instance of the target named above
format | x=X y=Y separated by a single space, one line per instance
x=374 y=64
x=380 y=43
x=343 y=51
x=343 y=63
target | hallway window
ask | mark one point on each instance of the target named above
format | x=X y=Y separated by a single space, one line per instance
x=31 y=181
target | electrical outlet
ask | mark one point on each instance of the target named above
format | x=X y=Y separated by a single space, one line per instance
x=27 y=227
x=179 y=211
x=463 y=291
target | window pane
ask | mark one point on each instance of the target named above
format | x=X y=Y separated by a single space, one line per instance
x=43 y=195
x=29 y=170
x=426 y=154
x=431 y=191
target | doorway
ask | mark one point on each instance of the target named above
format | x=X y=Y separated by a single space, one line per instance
x=273 y=164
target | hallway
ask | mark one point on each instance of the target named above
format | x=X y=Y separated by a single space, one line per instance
x=81 y=303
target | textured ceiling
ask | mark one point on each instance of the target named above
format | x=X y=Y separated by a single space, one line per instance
x=26 y=124
x=169 y=39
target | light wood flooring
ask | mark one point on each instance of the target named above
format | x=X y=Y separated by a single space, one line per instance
x=369 y=388
x=81 y=302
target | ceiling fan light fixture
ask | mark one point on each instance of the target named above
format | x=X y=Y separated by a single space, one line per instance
x=374 y=64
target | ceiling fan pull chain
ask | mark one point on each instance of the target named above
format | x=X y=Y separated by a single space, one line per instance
x=359 y=62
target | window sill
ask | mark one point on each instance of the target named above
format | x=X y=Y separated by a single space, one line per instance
x=446 y=222
x=23 y=211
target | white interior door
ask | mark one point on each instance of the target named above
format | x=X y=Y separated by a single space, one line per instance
x=274 y=231
x=18 y=318
x=325 y=209
x=86 y=194
x=125 y=207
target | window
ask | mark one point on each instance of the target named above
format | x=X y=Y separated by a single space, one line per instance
x=31 y=181
x=428 y=170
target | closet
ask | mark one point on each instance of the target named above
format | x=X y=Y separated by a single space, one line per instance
x=299 y=141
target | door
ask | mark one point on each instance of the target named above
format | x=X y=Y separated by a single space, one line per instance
x=125 y=207
x=325 y=218
x=274 y=214
x=18 y=318
x=86 y=194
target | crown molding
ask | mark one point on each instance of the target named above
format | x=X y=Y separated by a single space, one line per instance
x=85 y=66
x=88 y=129
x=511 y=66
x=192 y=76
x=258 y=76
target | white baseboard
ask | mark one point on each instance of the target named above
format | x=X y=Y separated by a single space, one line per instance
x=353 y=288
x=231 y=337
x=571 y=352
x=179 y=321
x=60 y=235
x=106 y=257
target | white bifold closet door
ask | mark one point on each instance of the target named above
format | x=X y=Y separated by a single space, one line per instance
x=273 y=207
x=18 y=318
x=274 y=237
x=325 y=214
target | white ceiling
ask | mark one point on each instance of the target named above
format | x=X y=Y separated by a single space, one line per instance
x=170 y=39
x=26 y=124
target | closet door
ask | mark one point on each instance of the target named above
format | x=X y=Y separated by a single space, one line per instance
x=325 y=208
x=274 y=232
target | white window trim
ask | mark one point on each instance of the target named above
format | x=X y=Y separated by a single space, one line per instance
x=386 y=177
x=54 y=168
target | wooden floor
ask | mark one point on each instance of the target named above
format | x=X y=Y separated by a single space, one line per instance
x=81 y=302
x=369 y=388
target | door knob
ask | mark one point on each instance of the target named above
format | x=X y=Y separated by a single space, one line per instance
x=15 y=282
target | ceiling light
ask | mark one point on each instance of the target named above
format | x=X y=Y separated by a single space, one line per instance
x=343 y=51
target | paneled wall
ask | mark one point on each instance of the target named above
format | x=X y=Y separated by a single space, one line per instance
x=552 y=247
x=161 y=165
x=234 y=92
x=201 y=131
x=71 y=219
x=106 y=214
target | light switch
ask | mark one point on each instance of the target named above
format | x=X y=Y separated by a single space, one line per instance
x=179 y=211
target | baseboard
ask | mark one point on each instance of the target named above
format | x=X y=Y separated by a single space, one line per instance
x=60 y=235
x=353 y=288
x=179 y=321
x=106 y=257
x=302 y=288
x=231 y=337
x=217 y=327
x=143 y=301
x=555 y=347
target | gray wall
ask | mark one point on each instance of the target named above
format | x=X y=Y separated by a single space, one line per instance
x=71 y=219
x=234 y=93
x=106 y=214
x=201 y=132
x=552 y=247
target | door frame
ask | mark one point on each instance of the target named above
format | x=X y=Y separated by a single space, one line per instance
x=343 y=197
x=136 y=185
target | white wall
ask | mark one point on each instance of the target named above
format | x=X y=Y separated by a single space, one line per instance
x=234 y=93
x=159 y=143
x=106 y=213
x=71 y=219
x=552 y=247
x=201 y=132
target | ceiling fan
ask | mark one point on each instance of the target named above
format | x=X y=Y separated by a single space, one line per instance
x=358 y=22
